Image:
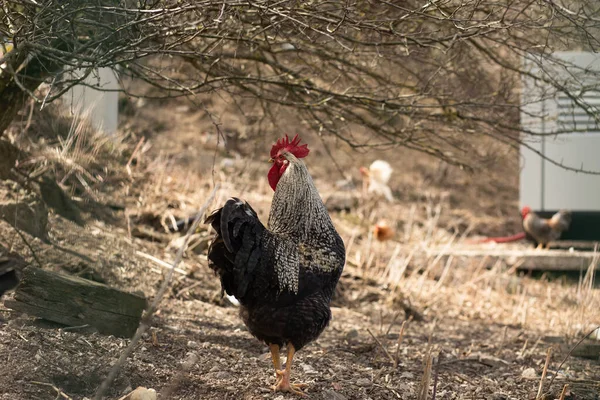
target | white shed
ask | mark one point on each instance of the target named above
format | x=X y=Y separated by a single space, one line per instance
x=573 y=140
x=100 y=105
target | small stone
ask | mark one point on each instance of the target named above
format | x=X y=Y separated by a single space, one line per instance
x=224 y=375
x=364 y=382
x=529 y=373
x=352 y=334
x=141 y=393
x=332 y=395
x=308 y=369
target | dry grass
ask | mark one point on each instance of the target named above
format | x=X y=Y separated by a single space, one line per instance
x=462 y=290
x=468 y=289
x=85 y=162
x=411 y=265
x=455 y=301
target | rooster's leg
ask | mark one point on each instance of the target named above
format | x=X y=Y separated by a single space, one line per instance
x=540 y=246
x=276 y=362
x=284 y=385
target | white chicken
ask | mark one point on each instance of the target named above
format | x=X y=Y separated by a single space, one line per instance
x=376 y=179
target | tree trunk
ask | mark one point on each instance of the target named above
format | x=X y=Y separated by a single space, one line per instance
x=12 y=99
x=31 y=76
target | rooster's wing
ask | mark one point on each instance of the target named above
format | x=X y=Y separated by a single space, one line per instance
x=256 y=265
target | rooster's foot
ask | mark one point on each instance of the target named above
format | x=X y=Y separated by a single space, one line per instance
x=283 y=384
x=278 y=378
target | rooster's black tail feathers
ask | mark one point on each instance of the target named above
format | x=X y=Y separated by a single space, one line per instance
x=235 y=252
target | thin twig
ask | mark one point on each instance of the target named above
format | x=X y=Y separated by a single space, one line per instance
x=145 y=323
x=35 y=257
x=544 y=372
x=135 y=150
x=381 y=345
x=400 y=336
x=424 y=389
x=160 y=262
x=472 y=359
x=29 y=118
x=522 y=354
x=436 y=375
x=70 y=328
x=59 y=392
x=188 y=288
x=564 y=392
x=392 y=323
x=571 y=352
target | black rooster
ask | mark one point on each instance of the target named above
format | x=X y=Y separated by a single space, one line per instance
x=284 y=274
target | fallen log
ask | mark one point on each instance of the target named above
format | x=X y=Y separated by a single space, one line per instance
x=75 y=301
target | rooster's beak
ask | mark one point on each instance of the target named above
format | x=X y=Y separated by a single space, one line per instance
x=271 y=160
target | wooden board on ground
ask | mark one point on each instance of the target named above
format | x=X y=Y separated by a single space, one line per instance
x=576 y=244
x=75 y=301
x=540 y=260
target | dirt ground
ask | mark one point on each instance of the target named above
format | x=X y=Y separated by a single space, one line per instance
x=478 y=333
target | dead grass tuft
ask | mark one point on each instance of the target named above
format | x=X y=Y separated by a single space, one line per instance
x=464 y=288
x=66 y=147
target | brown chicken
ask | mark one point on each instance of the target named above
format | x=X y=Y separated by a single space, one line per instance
x=382 y=231
x=543 y=230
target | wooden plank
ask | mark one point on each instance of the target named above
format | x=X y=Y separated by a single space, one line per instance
x=556 y=263
x=576 y=244
x=541 y=260
x=75 y=301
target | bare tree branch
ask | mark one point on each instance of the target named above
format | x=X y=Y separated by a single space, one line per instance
x=423 y=76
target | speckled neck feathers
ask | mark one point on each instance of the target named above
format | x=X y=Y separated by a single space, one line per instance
x=297 y=209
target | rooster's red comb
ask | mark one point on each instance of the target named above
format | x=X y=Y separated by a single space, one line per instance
x=293 y=147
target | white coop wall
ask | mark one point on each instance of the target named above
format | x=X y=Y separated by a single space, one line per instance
x=543 y=185
x=101 y=107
